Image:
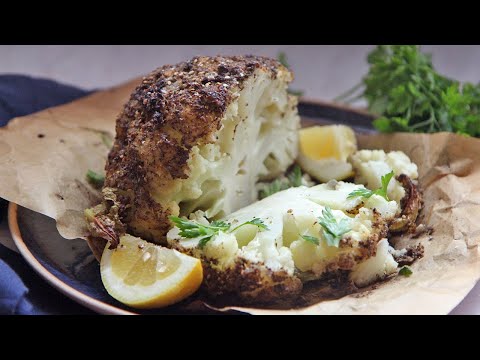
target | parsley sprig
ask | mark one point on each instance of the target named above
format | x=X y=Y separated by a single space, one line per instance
x=272 y=188
x=405 y=271
x=409 y=95
x=255 y=221
x=192 y=229
x=311 y=239
x=294 y=179
x=366 y=193
x=282 y=59
x=333 y=230
x=95 y=179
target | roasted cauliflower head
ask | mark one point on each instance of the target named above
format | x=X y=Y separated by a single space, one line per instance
x=198 y=136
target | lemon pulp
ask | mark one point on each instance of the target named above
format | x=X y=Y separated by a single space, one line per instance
x=319 y=142
x=144 y=275
x=324 y=151
x=143 y=264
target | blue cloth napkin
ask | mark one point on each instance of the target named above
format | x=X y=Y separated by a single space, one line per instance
x=22 y=95
x=12 y=292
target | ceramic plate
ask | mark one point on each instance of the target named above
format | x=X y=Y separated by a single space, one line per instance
x=69 y=265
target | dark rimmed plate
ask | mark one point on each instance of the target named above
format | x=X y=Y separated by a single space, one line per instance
x=69 y=265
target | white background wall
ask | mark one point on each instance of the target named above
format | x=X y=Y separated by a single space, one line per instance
x=323 y=71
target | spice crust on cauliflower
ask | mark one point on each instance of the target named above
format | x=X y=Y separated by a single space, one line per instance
x=198 y=135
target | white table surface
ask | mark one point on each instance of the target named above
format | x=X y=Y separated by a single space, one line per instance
x=322 y=71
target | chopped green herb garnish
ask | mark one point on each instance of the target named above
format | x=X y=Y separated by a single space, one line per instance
x=272 y=188
x=405 y=271
x=311 y=239
x=256 y=221
x=220 y=224
x=282 y=59
x=192 y=229
x=105 y=136
x=294 y=179
x=362 y=192
x=385 y=181
x=382 y=191
x=203 y=241
x=295 y=176
x=107 y=139
x=333 y=230
x=295 y=92
x=95 y=179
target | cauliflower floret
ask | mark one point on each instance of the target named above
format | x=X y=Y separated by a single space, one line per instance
x=334 y=194
x=401 y=164
x=375 y=268
x=222 y=248
x=262 y=249
x=387 y=209
x=371 y=165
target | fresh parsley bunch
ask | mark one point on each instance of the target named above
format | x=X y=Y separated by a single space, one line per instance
x=403 y=87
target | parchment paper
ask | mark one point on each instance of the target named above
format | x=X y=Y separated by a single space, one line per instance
x=44 y=158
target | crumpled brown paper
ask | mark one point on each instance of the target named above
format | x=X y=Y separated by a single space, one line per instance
x=44 y=158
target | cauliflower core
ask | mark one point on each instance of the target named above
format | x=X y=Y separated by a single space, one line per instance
x=283 y=253
x=198 y=136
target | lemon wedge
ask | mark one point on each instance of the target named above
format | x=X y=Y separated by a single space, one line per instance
x=144 y=275
x=324 y=151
